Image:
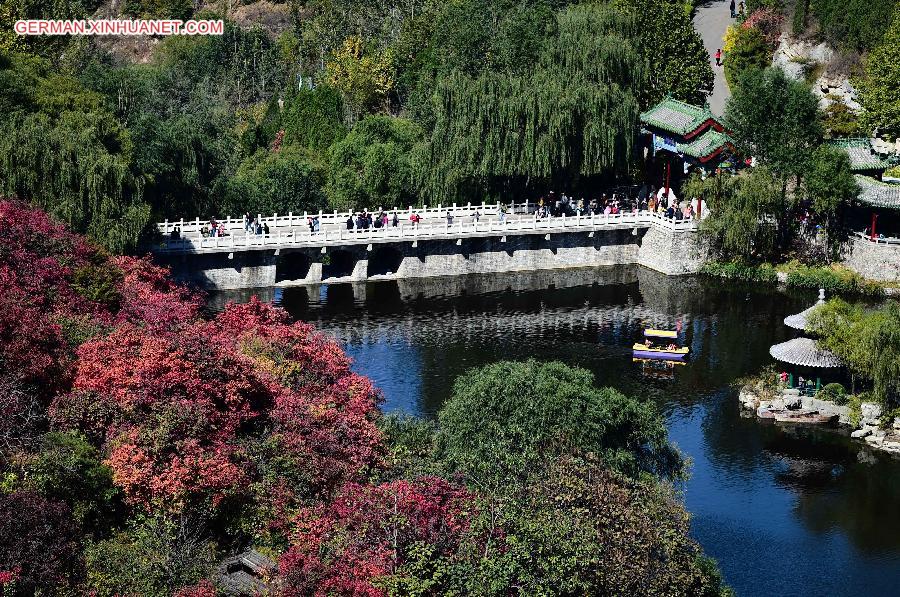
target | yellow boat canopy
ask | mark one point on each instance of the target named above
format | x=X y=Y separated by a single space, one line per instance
x=660 y=333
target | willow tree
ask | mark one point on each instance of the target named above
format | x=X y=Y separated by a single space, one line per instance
x=574 y=114
x=62 y=150
x=66 y=168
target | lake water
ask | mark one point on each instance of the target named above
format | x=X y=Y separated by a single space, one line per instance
x=785 y=511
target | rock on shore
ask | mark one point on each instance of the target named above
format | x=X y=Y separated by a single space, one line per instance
x=869 y=429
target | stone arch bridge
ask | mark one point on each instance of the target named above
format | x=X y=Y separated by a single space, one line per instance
x=476 y=239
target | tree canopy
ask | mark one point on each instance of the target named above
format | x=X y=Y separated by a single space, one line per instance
x=573 y=115
x=867 y=341
x=528 y=412
x=879 y=84
x=774 y=119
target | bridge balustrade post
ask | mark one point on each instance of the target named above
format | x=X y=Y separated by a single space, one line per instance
x=166 y=226
x=181 y=225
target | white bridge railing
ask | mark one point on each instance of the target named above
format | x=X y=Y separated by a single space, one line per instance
x=889 y=240
x=336 y=218
x=301 y=237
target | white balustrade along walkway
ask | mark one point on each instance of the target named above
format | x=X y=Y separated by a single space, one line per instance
x=885 y=240
x=299 y=236
x=337 y=218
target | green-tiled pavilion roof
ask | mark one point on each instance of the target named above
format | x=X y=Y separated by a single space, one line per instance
x=862 y=157
x=676 y=117
x=878 y=194
x=705 y=145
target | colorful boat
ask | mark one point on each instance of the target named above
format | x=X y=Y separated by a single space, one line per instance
x=671 y=334
x=667 y=353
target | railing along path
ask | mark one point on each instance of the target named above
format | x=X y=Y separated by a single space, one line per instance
x=333 y=234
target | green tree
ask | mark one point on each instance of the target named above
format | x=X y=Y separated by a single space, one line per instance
x=830 y=185
x=68 y=469
x=288 y=180
x=878 y=86
x=750 y=52
x=63 y=151
x=868 y=342
x=314 y=118
x=678 y=61
x=575 y=528
x=775 y=120
x=853 y=24
x=374 y=164
x=744 y=214
x=156 y=555
x=503 y=420
x=839 y=121
x=574 y=114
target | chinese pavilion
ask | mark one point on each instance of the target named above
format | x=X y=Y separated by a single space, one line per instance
x=690 y=135
x=878 y=204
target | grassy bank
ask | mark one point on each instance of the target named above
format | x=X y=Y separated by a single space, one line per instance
x=835 y=279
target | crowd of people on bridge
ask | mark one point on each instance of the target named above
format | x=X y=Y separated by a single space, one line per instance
x=648 y=199
x=365 y=220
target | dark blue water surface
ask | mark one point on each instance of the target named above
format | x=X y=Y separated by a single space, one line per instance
x=785 y=511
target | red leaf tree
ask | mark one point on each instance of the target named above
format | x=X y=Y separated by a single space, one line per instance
x=367 y=533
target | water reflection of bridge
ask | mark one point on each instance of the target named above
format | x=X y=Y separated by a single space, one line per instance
x=423 y=328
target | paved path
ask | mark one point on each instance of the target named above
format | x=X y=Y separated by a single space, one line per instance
x=711 y=20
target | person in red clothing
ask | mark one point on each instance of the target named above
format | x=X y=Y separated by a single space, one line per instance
x=719 y=57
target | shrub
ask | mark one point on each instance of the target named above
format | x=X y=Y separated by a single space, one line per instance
x=740 y=271
x=751 y=50
x=99 y=283
x=531 y=411
x=835 y=279
x=833 y=392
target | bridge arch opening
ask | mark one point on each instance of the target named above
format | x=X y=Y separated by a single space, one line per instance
x=292 y=267
x=338 y=264
x=384 y=260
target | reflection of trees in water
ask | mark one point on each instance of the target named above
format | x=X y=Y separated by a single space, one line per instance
x=835 y=487
x=838 y=489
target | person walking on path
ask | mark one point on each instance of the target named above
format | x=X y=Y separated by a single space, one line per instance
x=733 y=13
x=719 y=57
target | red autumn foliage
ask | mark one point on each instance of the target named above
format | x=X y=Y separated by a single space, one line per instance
x=174 y=405
x=768 y=21
x=202 y=589
x=324 y=418
x=367 y=531
x=151 y=296
x=59 y=290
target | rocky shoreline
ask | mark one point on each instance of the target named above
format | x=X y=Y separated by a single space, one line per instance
x=790 y=407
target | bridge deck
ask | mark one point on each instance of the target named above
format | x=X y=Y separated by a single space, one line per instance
x=336 y=234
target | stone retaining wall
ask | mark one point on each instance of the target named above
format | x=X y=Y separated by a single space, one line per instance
x=874 y=261
x=670 y=252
